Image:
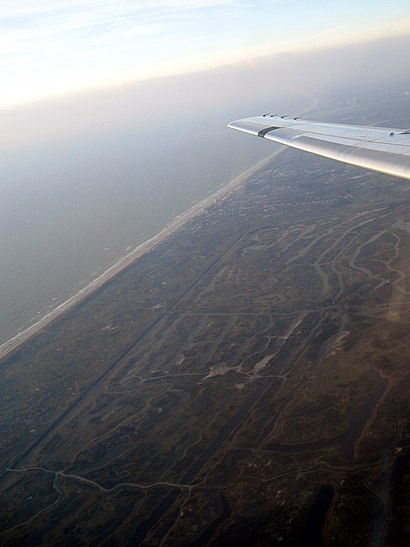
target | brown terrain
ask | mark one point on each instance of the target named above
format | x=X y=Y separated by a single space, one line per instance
x=243 y=383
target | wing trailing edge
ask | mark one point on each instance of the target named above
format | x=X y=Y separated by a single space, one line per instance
x=383 y=149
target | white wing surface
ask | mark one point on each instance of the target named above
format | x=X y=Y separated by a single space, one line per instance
x=382 y=149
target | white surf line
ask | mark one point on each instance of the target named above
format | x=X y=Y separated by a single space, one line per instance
x=12 y=343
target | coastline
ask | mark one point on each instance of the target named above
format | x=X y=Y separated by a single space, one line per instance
x=14 y=342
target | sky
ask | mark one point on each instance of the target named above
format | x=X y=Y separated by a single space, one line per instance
x=56 y=47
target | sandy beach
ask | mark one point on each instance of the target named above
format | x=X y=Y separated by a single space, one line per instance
x=11 y=344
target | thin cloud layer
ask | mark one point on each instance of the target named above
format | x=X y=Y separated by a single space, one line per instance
x=50 y=48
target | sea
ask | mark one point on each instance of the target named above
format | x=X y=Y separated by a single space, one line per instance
x=70 y=209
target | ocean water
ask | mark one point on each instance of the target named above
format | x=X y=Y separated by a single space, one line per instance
x=70 y=209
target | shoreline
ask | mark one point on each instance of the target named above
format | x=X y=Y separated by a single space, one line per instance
x=14 y=342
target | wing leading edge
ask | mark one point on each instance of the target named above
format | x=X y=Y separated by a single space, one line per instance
x=384 y=149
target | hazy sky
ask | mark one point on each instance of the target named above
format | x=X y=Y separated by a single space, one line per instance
x=52 y=47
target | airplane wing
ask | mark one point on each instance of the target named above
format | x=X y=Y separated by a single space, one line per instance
x=382 y=149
